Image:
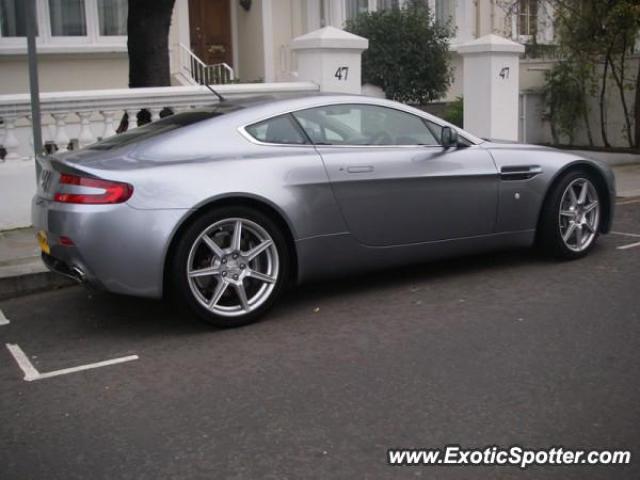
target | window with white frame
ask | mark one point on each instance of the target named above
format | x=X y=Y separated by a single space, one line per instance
x=89 y=23
x=388 y=4
x=527 y=21
x=67 y=18
x=112 y=17
x=446 y=12
x=12 y=18
x=356 y=7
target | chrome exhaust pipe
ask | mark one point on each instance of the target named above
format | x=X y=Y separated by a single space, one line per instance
x=79 y=274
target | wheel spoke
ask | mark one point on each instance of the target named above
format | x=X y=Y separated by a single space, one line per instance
x=579 y=235
x=204 y=272
x=217 y=293
x=258 y=249
x=583 y=193
x=237 y=236
x=589 y=227
x=567 y=213
x=261 y=276
x=569 y=232
x=242 y=295
x=213 y=246
x=573 y=199
x=591 y=206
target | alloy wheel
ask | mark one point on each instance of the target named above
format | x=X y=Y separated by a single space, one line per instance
x=579 y=215
x=233 y=267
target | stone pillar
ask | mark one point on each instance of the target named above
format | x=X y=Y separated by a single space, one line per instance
x=491 y=87
x=332 y=58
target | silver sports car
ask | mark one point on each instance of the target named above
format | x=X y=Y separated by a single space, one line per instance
x=225 y=206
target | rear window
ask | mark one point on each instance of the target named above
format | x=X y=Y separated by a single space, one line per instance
x=164 y=125
x=281 y=130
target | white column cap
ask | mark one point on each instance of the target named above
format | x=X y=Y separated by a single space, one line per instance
x=329 y=37
x=490 y=43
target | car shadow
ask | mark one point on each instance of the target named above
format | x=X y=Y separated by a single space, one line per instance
x=130 y=316
x=409 y=275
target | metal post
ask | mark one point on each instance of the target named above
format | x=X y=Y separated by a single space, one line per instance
x=34 y=88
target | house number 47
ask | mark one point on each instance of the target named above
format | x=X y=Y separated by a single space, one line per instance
x=342 y=73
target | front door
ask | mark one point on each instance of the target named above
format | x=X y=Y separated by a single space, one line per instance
x=393 y=181
x=210 y=25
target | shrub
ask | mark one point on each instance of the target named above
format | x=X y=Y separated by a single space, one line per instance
x=564 y=97
x=455 y=112
x=408 y=54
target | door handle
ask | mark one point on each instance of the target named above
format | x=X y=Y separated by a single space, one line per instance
x=519 y=172
x=360 y=169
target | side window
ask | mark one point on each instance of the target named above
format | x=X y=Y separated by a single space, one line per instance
x=435 y=129
x=365 y=125
x=277 y=130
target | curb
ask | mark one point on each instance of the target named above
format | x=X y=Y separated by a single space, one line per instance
x=26 y=284
x=612 y=159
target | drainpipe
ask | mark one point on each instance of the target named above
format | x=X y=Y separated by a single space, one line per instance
x=523 y=117
x=477 y=5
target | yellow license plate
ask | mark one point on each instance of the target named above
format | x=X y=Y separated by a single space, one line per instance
x=43 y=242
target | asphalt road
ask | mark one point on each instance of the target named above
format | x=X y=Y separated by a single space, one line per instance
x=503 y=349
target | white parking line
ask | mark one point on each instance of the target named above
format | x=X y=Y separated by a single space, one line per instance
x=626 y=234
x=630 y=245
x=31 y=374
x=3 y=320
x=628 y=202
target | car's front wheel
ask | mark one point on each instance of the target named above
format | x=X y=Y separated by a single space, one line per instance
x=230 y=265
x=571 y=216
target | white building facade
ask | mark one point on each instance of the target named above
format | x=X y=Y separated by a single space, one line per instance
x=82 y=44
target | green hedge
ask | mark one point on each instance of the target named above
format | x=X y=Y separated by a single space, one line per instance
x=408 y=54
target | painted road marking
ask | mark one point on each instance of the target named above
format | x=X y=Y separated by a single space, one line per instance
x=627 y=234
x=631 y=245
x=31 y=374
x=3 y=320
x=628 y=202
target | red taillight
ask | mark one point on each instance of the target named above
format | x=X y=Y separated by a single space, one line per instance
x=65 y=241
x=112 y=192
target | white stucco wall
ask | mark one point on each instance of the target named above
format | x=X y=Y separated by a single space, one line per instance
x=539 y=131
x=250 y=45
x=287 y=23
x=18 y=186
x=65 y=72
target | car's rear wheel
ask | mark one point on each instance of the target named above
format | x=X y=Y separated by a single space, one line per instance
x=230 y=265
x=571 y=216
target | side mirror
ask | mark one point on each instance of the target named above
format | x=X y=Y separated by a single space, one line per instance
x=449 y=137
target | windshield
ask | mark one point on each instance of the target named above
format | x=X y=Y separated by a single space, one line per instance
x=166 y=124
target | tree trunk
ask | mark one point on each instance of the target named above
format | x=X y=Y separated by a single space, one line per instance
x=619 y=80
x=603 y=104
x=585 y=113
x=637 y=109
x=148 y=42
x=552 y=124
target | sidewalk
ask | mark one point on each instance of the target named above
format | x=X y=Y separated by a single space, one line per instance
x=22 y=271
x=628 y=180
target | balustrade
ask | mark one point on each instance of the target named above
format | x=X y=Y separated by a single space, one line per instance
x=77 y=119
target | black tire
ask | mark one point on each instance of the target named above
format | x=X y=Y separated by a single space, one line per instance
x=549 y=237
x=182 y=290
